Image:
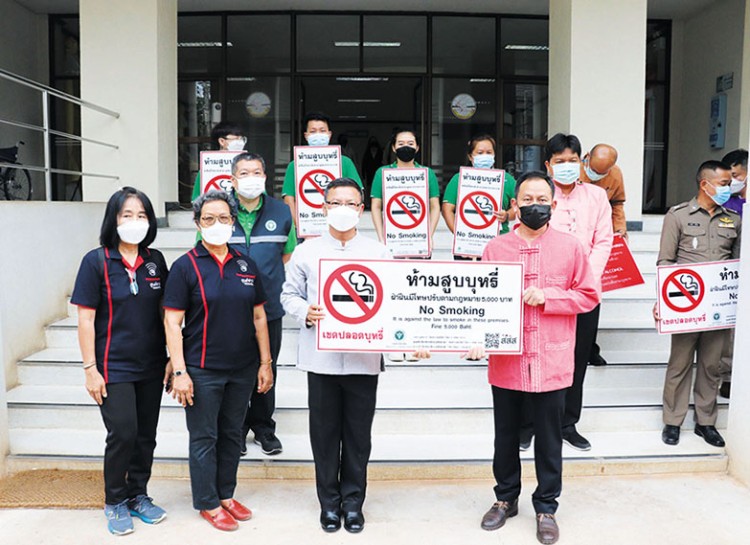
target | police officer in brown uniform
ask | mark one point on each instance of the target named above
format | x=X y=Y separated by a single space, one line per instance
x=697 y=231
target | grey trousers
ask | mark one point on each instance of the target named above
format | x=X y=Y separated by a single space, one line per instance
x=708 y=345
x=727 y=356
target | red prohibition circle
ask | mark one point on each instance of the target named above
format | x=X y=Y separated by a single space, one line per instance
x=469 y=199
x=367 y=312
x=307 y=178
x=396 y=199
x=694 y=300
x=215 y=182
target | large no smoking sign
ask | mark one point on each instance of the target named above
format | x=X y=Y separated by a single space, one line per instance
x=683 y=290
x=353 y=294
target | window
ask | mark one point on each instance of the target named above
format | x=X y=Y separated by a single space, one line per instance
x=463 y=45
x=259 y=44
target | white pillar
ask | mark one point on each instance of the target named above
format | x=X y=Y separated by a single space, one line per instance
x=129 y=64
x=597 y=80
x=738 y=428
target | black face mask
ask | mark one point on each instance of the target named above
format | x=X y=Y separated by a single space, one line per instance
x=535 y=216
x=406 y=153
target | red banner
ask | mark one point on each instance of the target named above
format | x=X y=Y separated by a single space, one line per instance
x=621 y=270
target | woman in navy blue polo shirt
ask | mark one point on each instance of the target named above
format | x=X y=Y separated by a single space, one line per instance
x=118 y=292
x=218 y=356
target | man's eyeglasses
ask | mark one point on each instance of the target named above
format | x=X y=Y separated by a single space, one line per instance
x=336 y=204
x=133 y=281
x=208 y=221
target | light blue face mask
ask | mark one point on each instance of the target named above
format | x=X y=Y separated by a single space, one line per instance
x=722 y=195
x=318 y=139
x=484 y=160
x=566 y=173
x=593 y=176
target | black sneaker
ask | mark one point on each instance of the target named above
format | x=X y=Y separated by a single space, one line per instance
x=597 y=361
x=524 y=441
x=575 y=439
x=243 y=450
x=269 y=443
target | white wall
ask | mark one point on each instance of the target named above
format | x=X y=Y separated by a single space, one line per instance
x=707 y=45
x=23 y=51
x=597 y=80
x=42 y=246
x=129 y=64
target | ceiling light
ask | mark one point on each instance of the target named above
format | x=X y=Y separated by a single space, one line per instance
x=360 y=100
x=360 y=78
x=203 y=44
x=367 y=44
x=482 y=80
x=517 y=47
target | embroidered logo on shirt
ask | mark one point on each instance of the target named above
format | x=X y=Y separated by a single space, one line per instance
x=271 y=225
x=247 y=279
x=242 y=264
x=152 y=268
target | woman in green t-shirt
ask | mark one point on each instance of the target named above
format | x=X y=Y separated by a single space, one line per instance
x=405 y=145
x=480 y=153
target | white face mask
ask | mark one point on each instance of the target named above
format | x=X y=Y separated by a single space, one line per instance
x=133 y=232
x=566 y=173
x=342 y=218
x=251 y=187
x=236 y=145
x=318 y=139
x=218 y=234
x=737 y=185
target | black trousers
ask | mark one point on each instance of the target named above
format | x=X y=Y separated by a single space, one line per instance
x=259 y=417
x=214 y=422
x=131 y=414
x=587 y=325
x=547 y=410
x=342 y=408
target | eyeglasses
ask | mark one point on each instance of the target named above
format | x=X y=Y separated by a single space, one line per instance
x=133 y=282
x=336 y=204
x=208 y=221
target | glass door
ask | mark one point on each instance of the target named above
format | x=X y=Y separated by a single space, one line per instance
x=364 y=111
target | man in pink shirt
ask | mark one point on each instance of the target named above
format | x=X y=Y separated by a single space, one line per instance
x=583 y=210
x=558 y=285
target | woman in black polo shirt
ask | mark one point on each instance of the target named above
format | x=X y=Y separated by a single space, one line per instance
x=218 y=356
x=118 y=292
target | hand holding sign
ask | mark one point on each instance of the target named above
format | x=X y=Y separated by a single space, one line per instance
x=315 y=313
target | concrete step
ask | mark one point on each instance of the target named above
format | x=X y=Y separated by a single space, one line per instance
x=615 y=333
x=400 y=388
x=45 y=414
x=459 y=374
x=442 y=447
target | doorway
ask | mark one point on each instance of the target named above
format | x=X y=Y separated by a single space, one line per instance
x=364 y=111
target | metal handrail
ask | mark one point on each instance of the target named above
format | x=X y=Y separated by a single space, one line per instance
x=46 y=92
x=55 y=92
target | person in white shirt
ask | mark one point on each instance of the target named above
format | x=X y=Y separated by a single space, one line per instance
x=342 y=386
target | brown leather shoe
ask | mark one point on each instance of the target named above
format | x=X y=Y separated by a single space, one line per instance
x=547 y=531
x=497 y=515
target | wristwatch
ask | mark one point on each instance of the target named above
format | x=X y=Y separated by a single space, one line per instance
x=179 y=373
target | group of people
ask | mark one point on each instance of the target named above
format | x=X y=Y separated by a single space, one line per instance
x=219 y=311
